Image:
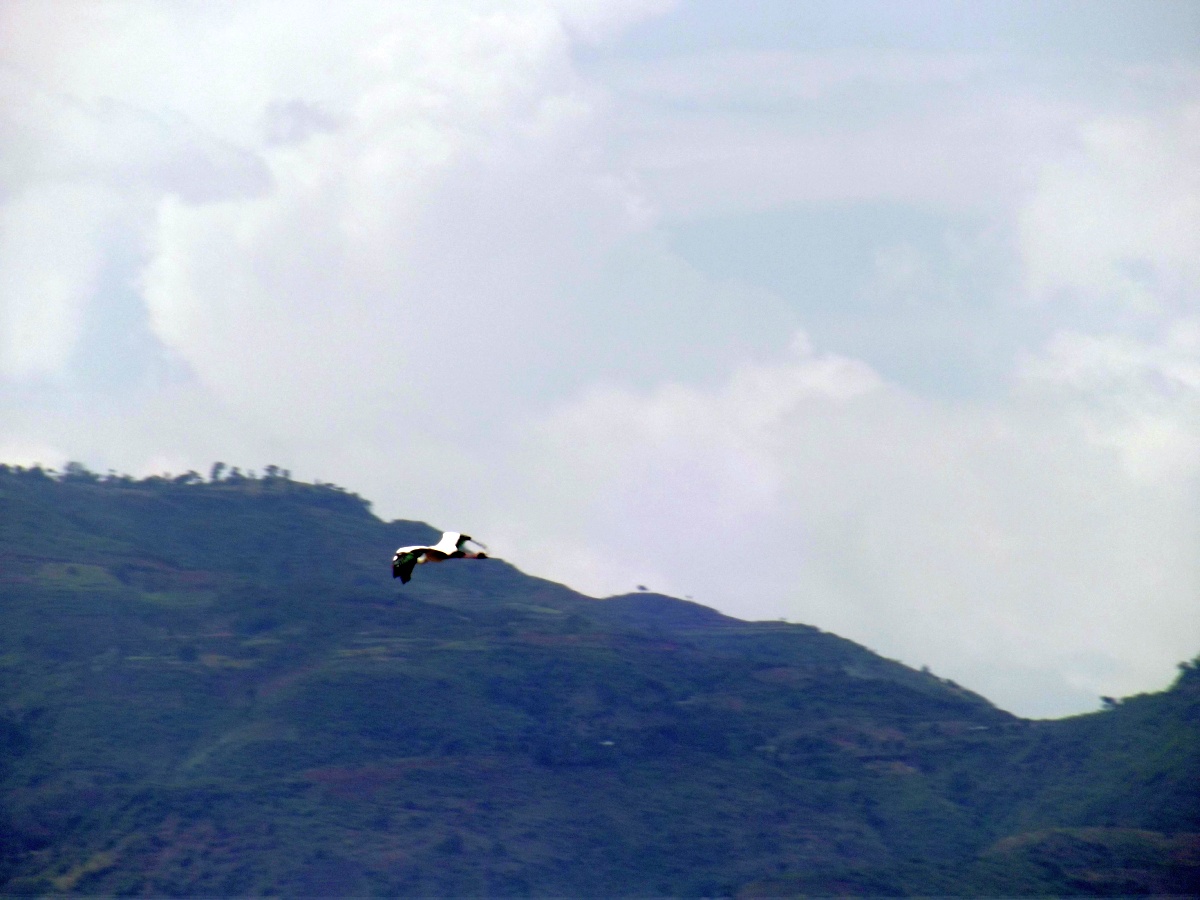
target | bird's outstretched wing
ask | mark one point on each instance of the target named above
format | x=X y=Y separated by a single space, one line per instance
x=402 y=565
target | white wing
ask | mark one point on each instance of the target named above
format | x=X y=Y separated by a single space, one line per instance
x=449 y=542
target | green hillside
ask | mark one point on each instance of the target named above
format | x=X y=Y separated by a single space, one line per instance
x=216 y=688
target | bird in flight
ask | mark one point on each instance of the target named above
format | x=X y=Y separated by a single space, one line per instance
x=452 y=546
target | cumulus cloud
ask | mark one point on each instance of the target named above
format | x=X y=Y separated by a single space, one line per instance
x=282 y=173
x=1137 y=398
x=51 y=251
x=422 y=229
x=1116 y=222
x=1030 y=531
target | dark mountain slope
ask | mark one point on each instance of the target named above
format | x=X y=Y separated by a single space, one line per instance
x=217 y=688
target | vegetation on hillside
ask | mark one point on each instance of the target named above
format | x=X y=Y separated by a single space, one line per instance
x=214 y=687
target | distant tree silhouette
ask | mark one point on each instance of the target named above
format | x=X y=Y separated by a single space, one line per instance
x=77 y=471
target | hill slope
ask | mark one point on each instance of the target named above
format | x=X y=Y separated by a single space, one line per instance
x=217 y=689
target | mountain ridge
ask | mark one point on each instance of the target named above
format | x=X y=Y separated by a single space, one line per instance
x=214 y=687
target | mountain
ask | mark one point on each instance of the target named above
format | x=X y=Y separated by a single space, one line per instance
x=214 y=688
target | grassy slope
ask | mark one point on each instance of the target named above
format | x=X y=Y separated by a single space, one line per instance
x=218 y=689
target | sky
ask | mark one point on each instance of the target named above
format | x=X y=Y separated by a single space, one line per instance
x=880 y=317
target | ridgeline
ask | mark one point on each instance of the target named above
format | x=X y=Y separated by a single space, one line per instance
x=215 y=688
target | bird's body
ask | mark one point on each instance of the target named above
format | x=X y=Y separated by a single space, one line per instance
x=451 y=546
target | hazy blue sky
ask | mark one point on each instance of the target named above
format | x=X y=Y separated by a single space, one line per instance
x=883 y=317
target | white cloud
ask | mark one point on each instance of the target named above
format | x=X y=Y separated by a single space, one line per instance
x=415 y=251
x=1117 y=221
x=736 y=131
x=595 y=20
x=999 y=544
x=406 y=111
x=1139 y=398
x=51 y=252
